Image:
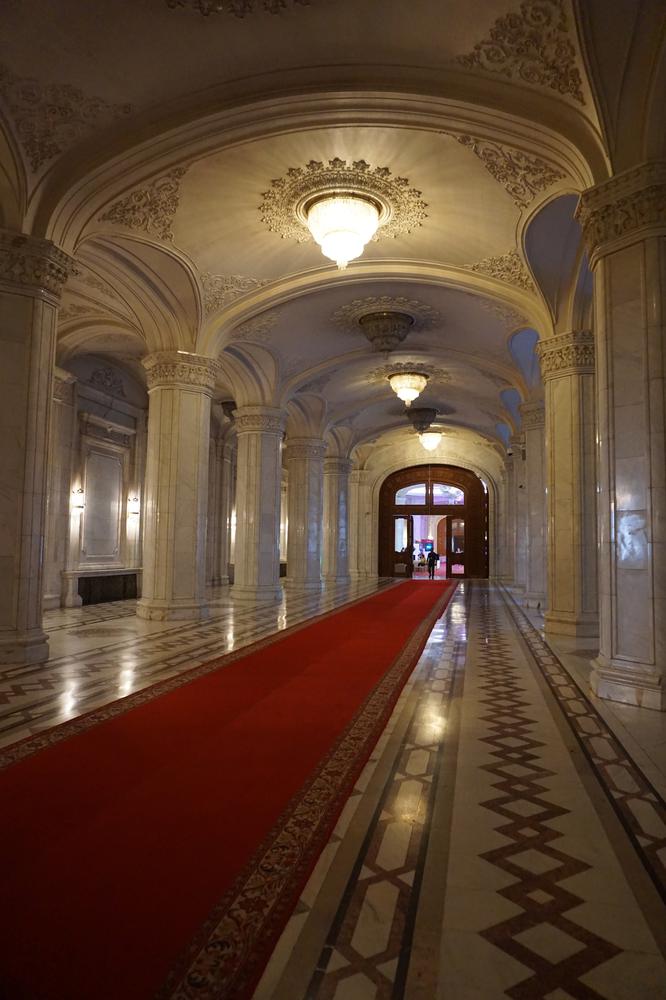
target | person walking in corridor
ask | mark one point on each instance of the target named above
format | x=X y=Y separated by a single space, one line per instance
x=433 y=559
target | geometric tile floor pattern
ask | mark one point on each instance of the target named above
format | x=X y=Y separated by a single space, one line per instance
x=500 y=841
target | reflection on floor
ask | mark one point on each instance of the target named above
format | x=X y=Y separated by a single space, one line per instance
x=507 y=837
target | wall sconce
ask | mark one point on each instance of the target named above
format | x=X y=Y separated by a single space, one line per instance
x=133 y=505
x=78 y=499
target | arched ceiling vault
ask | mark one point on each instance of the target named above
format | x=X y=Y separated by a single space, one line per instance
x=164 y=177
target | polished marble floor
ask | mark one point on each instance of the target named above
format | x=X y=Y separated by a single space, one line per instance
x=507 y=837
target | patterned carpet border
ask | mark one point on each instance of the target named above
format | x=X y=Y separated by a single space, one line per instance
x=225 y=960
x=15 y=752
x=635 y=801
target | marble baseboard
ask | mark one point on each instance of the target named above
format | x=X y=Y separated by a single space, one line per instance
x=637 y=685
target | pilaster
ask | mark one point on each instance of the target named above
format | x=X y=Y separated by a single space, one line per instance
x=520 y=512
x=305 y=458
x=533 y=422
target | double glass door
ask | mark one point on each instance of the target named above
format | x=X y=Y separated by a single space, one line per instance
x=415 y=535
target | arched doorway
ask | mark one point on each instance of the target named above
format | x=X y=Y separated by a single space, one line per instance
x=442 y=507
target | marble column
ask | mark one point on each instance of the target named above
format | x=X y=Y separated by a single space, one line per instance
x=259 y=431
x=180 y=387
x=336 y=519
x=58 y=514
x=624 y=226
x=226 y=502
x=32 y=274
x=567 y=368
x=533 y=418
x=520 y=512
x=360 y=523
x=305 y=457
x=509 y=520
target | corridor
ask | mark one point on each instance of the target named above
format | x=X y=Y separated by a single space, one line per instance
x=506 y=838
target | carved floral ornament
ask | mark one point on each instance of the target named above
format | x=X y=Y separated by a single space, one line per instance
x=568 y=354
x=50 y=118
x=34 y=263
x=380 y=375
x=150 y=209
x=532 y=45
x=347 y=316
x=283 y=209
x=338 y=466
x=176 y=368
x=259 y=420
x=507 y=267
x=627 y=206
x=533 y=416
x=305 y=449
x=522 y=175
x=220 y=289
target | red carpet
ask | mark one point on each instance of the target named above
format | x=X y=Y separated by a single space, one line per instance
x=190 y=815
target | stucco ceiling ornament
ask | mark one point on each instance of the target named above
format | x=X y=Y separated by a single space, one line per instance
x=79 y=310
x=284 y=206
x=258 y=329
x=508 y=316
x=507 y=267
x=533 y=45
x=107 y=380
x=522 y=176
x=424 y=317
x=220 y=289
x=92 y=280
x=150 y=209
x=50 y=118
x=379 y=375
x=239 y=8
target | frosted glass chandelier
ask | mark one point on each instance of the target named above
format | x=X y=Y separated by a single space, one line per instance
x=408 y=385
x=430 y=440
x=342 y=224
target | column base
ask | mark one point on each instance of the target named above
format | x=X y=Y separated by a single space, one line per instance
x=70 y=597
x=257 y=595
x=51 y=601
x=630 y=683
x=24 y=648
x=562 y=623
x=167 y=611
x=345 y=578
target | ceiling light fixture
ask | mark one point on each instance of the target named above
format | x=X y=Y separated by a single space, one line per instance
x=386 y=329
x=408 y=385
x=430 y=439
x=342 y=223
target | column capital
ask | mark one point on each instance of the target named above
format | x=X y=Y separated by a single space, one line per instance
x=533 y=415
x=335 y=466
x=623 y=209
x=567 y=354
x=32 y=264
x=179 y=369
x=305 y=447
x=259 y=420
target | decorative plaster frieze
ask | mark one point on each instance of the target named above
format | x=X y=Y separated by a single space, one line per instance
x=379 y=375
x=78 y=310
x=91 y=426
x=220 y=289
x=107 y=380
x=34 y=263
x=627 y=206
x=567 y=354
x=51 y=118
x=308 y=449
x=150 y=209
x=338 y=466
x=522 y=176
x=533 y=416
x=507 y=267
x=93 y=280
x=239 y=8
x=282 y=208
x=259 y=420
x=176 y=368
x=256 y=329
x=315 y=384
x=347 y=316
x=533 y=46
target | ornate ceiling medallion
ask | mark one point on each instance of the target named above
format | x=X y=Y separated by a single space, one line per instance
x=239 y=8
x=533 y=45
x=287 y=207
x=423 y=317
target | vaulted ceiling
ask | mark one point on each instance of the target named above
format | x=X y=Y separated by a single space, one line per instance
x=164 y=149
